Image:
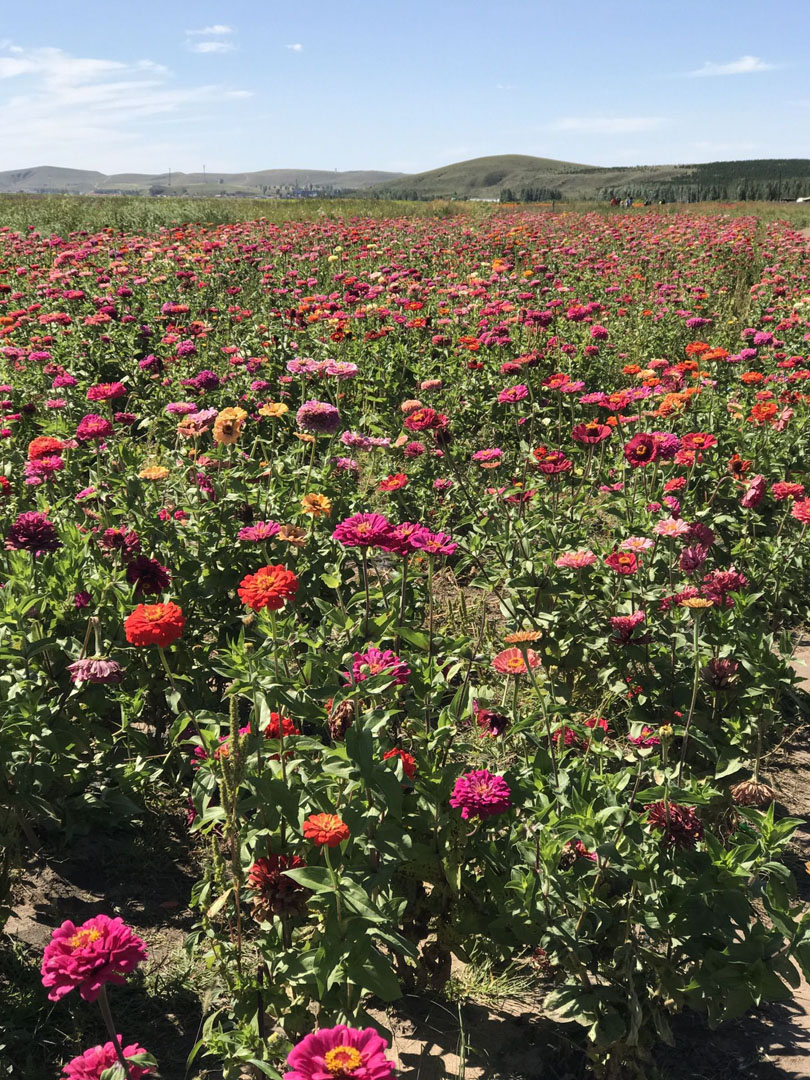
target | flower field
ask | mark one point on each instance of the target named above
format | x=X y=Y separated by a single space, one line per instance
x=442 y=574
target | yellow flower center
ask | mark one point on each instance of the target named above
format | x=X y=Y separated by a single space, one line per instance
x=84 y=937
x=342 y=1060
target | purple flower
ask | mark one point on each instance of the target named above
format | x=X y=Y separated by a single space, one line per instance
x=147 y=575
x=480 y=794
x=95 y=669
x=32 y=532
x=319 y=417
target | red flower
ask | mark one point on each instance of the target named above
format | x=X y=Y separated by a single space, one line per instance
x=590 y=433
x=623 y=562
x=408 y=762
x=325 y=829
x=641 y=449
x=271 y=587
x=394 y=482
x=154 y=624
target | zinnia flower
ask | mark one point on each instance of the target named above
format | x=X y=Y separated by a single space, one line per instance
x=32 y=532
x=94 y=1062
x=319 y=417
x=259 y=532
x=273 y=892
x=362 y=530
x=641 y=449
x=340 y=1053
x=408 y=761
x=92 y=427
x=623 y=562
x=271 y=587
x=325 y=829
x=316 y=505
x=480 y=794
x=377 y=662
x=95 y=669
x=99 y=951
x=575 y=560
x=154 y=624
x=512 y=661
x=228 y=425
x=680 y=825
x=147 y=575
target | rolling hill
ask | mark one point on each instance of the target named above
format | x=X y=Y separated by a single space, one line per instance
x=490 y=177
x=516 y=177
x=47 y=179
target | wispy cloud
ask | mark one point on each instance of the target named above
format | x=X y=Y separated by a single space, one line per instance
x=746 y=65
x=62 y=109
x=505 y=86
x=608 y=125
x=217 y=30
x=212 y=46
x=297 y=47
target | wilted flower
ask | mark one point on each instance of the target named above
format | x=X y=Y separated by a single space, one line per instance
x=680 y=825
x=319 y=417
x=95 y=669
x=273 y=893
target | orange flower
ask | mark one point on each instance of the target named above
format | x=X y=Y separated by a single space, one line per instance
x=511 y=661
x=523 y=635
x=750 y=377
x=292 y=534
x=304 y=436
x=271 y=587
x=228 y=426
x=44 y=446
x=153 y=472
x=325 y=829
x=154 y=624
x=316 y=505
x=274 y=408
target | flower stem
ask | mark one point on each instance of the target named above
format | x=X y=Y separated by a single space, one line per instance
x=104 y=1005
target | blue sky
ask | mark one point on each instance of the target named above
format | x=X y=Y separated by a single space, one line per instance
x=249 y=84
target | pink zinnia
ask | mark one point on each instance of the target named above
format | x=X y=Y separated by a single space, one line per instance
x=340 y=1052
x=672 y=527
x=93 y=1062
x=378 y=662
x=575 y=560
x=262 y=530
x=754 y=492
x=480 y=794
x=636 y=543
x=106 y=391
x=93 y=426
x=801 y=511
x=513 y=394
x=362 y=530
x=786 y=490
x=433 y=543
x=99 y=951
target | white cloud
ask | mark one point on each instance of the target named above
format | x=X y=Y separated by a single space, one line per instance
x=88 y=112
x=295 y=48
x=212 y=46
x=505 y=86
x=746 y=65
x=217 y=30
x=608 y=125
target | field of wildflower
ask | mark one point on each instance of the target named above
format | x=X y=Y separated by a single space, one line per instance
x=439 y=578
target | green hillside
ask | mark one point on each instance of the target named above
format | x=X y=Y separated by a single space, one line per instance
x=534 y=179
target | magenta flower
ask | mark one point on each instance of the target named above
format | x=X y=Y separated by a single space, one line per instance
x=377 y=662
x=340 y=1053
x=99 y=951
x=92 y=427
x=93 y=1062
x=513 y=394
x=259 y=532
x=362 y=530
x=480 y=794
x=433 y=543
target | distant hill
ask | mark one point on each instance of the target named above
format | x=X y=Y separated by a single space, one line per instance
x=511 y=177
x=536 y=179
x=47 y=179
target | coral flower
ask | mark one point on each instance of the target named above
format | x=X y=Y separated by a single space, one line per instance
x=393 y=482
x=340 y=1053
x=44 y=446
x=512 y=662
x=575 y=560
x=228 y=426
x=325 y=829
x=154 y=624
x=480 y=794
x=271 y=587
x=99 y=951
x=93 y=1063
